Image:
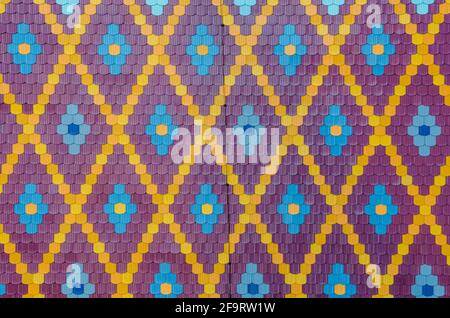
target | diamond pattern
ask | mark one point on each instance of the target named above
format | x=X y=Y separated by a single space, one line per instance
x=250 y=240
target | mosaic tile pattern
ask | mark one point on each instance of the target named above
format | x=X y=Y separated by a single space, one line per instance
x=87 y=182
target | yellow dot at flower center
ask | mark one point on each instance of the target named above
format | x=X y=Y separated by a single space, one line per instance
x=31 y=208
x=161 y=130
x=381 y=209
x=120 y=208
x=378 y=49
x=114 y=49
x=166 y=289
x=336 y=130
x=202 y=49
x=207 y=208
x=24 y=48
x=289 y=49
x=339 y=289
x=293 y=208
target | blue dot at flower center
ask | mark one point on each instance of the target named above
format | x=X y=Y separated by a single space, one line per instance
x=247 y=127
x=78 y=290
x=424 y=130
x=73 y=129
x=253 y=289
x=427 y=290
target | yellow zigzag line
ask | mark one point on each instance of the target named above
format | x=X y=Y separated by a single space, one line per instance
x=337 y=202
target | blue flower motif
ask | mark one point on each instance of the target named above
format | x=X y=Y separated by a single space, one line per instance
x=67 y=5
x=248 y=130
x=157 y=6
x=339 y=284
x=378 y=50
x=380 y=209
x=120 y=208
x=293 y=209
x=252 y=283
x=333 y=6
x=422 y=5
x=2 y=289
x=114 y=49
x=245 y=6
x=207 y=208
x=424 y=130
x=161 y=130
x=165 y=283
x=73 y=129
x=427 y=285
x=335 y=130
x=202 y=50
x=30 y=208
x=24 y=48
x=83 y=290
x=290 y=50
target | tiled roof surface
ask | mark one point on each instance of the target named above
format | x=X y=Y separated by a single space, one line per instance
x=357 y=185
